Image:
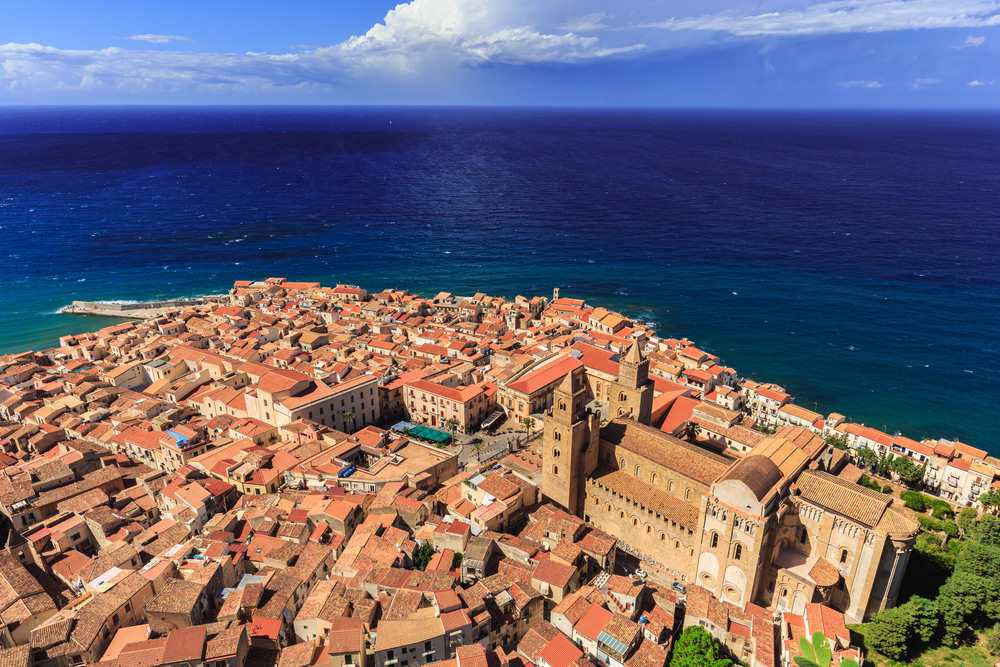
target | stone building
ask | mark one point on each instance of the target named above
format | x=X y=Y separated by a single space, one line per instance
x=774 y=528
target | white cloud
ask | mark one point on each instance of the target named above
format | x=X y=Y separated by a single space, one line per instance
x=975 y=40
x=861 y=83
x=586 y=23
x=152 y=38
x=841 y=16
x=474 y=31
x=976 y=83
x=415 y=38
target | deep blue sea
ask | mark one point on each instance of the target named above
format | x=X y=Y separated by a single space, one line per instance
x=852 y=257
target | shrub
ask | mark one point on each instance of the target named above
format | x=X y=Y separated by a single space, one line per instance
x=993 y=640
x=869 y=483
x=887 y=489
x=915 y=500
x=941 y=510
x=949 y=528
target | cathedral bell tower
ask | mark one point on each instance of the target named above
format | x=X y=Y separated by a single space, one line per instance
x=570 y=444
x=632 y=394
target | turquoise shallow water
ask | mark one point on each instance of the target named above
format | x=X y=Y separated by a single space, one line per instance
x=851 y=257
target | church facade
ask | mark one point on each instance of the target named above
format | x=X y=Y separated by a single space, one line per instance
x=775 y=527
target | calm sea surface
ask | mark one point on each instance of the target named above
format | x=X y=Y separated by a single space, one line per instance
x=850 y=257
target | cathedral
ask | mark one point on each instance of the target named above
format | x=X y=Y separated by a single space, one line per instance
x=776 y=526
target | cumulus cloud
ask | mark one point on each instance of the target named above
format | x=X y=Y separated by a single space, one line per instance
x=841 y=16
x=861 y=83
x=473 y=31
x=152 y=38
x=414 y=37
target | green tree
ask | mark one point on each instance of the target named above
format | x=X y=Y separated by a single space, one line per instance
x=838 y=441
x=696 y=648
x=990 y=501
x=907 y=470
x=967 y=520
x=817 y=653
x=867 y=457
x=693 y=430
x=902 y=631
x=422 y=556
x=987 y=530
x=967 y=602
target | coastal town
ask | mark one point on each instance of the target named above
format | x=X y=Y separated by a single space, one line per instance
x=317 y=476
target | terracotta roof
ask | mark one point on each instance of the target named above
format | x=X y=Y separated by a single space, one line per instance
x=823 y=573
x=666 y=450
x=758 y=472
x=850 y=500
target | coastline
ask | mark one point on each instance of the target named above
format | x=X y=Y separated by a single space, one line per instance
x=121 y=310
x=136 y=310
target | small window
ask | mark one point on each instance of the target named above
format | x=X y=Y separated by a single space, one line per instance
x=738 y=552
x=555 y=470
x=715 y=540
x=843 y=555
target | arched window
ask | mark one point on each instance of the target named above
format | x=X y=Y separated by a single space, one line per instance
x=649 y=528
x=738 y=552
x=555 y=453
x=843 y=555
x=670 y=485
x=652 y=479
x=562 y=406
x=637 y=471
x=635 y=522
x=621 y=464
x=555 y=470
x=687 y=494
x=622 y=397
x=662 y=537
x=715 y=540
x=557 y=435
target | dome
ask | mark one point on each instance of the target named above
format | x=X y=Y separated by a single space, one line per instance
x=757 y=472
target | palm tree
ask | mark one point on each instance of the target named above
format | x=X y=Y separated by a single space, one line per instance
x=348 y=415
x=693 y=430
x=452 y=425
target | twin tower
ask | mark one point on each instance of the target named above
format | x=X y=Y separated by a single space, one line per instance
x=571 y=441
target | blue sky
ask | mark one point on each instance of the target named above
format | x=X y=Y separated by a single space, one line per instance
x=727 y=53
